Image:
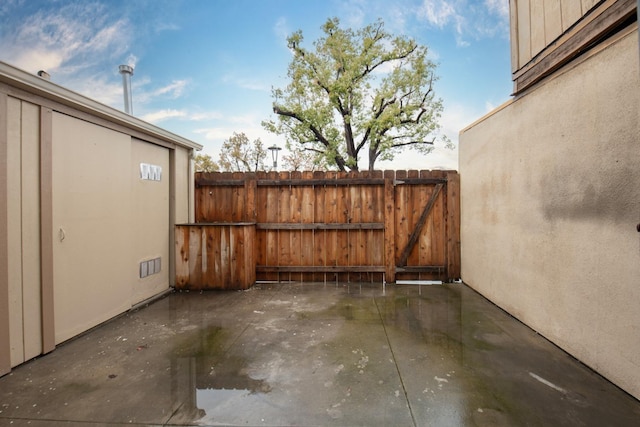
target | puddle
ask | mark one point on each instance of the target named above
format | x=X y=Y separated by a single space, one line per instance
x=315 y=355
x=210 y=383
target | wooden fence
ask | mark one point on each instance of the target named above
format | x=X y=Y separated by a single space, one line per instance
x=326 y=226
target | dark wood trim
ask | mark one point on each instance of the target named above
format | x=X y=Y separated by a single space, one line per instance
x=204 y=182
x=46 y=229
x=419 y=225
x=320 y=226
x=439 y=269
x=420 y=181
x=320 y=182
x=593 y=28
x=320 y=269
x=5 y=335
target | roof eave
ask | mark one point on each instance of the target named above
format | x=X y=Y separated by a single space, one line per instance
x=45 y=88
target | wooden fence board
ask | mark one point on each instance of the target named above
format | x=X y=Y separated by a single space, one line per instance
x=402 y=215
x=453 y=225
x=319 y=237
x=306 y=235
x=426 y=237
x=331 y=216
x=215 y=256
x=182 y=256
x=332 y=226
x=271 y=214
x=390 y=227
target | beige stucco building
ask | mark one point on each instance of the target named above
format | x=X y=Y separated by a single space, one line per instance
x=89 y=196
x=550 y=184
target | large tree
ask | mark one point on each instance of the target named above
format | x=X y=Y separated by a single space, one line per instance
x=240 y=155
x=357 y=90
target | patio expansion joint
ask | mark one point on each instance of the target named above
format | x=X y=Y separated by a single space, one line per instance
x=395 y=362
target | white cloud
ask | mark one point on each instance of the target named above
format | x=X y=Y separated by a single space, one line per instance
x=246 y=83
x=8 y=5
x=468 y=19
x=499 y=7
x=76 y=35
x=33 y=60
x=214 y=133
x=354 y=12
x=108 y=92
x=439 y=12
x=164 y=26
x=143 y=95
x=161 y=115
x=173 y=89
x=211 y=115
x=281 y=29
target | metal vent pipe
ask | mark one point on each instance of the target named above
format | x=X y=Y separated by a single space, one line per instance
x=127 y=72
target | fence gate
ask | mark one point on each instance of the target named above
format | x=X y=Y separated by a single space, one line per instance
x=334 y=226
x=427 y=230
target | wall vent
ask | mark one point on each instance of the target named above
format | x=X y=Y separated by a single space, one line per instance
x=149 y=267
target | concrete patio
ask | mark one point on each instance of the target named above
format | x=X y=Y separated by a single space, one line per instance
x=313 y=355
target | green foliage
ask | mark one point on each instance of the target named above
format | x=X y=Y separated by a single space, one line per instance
x=357 y=90
x=204 y=163
x=240 y=155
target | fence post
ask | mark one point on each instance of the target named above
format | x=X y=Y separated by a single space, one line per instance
x=453 y=225
x=389 y=227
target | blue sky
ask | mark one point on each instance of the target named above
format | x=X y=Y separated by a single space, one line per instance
x=205 y=68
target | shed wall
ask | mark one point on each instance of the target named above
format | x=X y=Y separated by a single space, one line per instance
x=550 y=195
x=76 y=217
x=108 y=221
x=23 y=224
x=91 y=206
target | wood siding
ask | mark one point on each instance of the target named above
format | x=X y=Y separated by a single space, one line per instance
x=546 y=34
x=347 y=227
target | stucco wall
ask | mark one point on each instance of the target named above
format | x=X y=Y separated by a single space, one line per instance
x=550 y=200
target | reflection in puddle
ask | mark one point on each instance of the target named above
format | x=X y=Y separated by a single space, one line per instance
x=210 y=382
x=221 y=401
x=212 y=398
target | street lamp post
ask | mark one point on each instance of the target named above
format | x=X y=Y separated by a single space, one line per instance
x=274 y=155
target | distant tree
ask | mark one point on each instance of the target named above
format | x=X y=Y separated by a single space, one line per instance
x=204 y=163
x=357 y=90
x=299 y=159
x=240 y=155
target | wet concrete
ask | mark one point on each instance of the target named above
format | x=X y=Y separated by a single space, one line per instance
x=313 y=355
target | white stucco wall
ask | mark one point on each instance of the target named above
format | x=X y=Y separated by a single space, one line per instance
x=550 y=200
